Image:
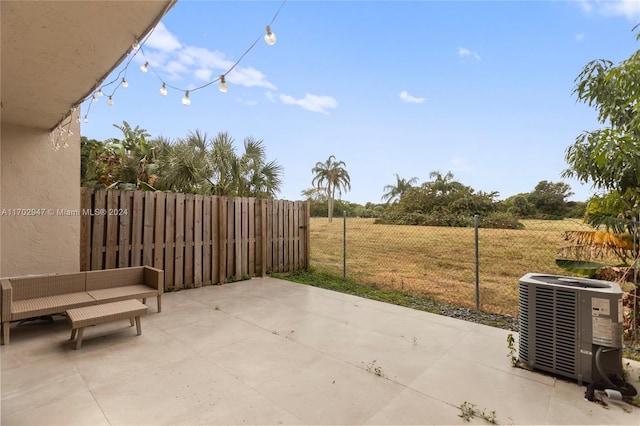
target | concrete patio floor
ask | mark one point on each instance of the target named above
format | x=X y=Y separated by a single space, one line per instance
x=267 y=351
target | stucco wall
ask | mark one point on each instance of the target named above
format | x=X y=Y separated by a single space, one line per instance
x=35 y=176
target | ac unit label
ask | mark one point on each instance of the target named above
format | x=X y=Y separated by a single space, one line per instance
x=600 y=307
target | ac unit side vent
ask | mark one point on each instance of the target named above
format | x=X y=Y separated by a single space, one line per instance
x=523 y=322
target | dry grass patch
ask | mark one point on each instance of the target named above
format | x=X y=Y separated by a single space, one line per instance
x=439 y=262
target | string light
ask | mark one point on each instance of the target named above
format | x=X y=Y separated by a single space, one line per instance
x=223 y=86
x=185 y=100
x=270 y=37
x=137 y=47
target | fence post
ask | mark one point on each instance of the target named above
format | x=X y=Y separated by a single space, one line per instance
x=475 y=224
x=344 y=245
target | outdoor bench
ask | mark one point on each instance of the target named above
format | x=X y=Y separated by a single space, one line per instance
x=79 y=318
x=42 y=295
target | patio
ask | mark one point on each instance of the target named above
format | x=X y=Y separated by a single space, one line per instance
x=267 y=351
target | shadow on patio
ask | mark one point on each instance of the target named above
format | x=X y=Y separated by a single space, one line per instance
x=267 y=351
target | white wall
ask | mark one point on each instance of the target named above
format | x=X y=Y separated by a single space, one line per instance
x=35 y=176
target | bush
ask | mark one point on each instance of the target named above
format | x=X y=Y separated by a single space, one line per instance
x=493 y=220
x=500 y=221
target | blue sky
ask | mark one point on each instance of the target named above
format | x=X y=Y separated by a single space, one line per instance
x=481 y=89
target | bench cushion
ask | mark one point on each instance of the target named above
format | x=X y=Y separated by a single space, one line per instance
x=21 y=309
x=114 y=294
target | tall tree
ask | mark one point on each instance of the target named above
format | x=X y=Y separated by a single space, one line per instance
x=609 y=157
x=395 y=192
x=185 y=166
x=550 y=198
x=332 y=176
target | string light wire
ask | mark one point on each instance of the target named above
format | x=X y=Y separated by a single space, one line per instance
x=62 y=130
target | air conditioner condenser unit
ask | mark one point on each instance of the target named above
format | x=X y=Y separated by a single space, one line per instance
x=571 y=326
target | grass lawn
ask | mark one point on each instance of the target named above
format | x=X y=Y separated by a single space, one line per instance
x=439 y=262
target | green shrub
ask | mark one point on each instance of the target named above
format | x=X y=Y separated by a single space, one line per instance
x=500 y=221
x=493 y=220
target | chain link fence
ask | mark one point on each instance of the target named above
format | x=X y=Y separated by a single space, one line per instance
x=443 y=263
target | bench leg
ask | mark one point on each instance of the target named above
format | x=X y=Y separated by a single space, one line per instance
x=131 y=321
x=73 y=333
x=5 y=332
x=159 y=303
x=144 y=300
x=79 y=341
x=138 y=326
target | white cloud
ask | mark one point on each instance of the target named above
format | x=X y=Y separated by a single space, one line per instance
x=405 y=96
x=463 y=52
x=249 y=77
x=162 y=39
x=627 y=8
x=579 y=36
x=203 y=74
x=174 y=69
x=311 y=102
x=269 y=95
x=205 y=58
x=630 y=9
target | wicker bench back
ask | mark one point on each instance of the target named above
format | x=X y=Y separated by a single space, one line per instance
x=98 y=280
x=49 y=285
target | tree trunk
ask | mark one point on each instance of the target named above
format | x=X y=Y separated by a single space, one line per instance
x=330 y=202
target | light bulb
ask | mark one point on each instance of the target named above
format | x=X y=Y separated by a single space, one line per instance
x=124 y=83
x=135 y=45
x=94 y=99
x=145 y=67
x=110 y=101
x=86 y=118
x=270 y=37
x=163 y=89
x=99 y=92
x=223 y=86
x=185 y=100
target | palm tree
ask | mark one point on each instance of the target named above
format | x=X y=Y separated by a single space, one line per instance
x=395 y=192
x=247 y=175
x=331 y=176
x=442 y=185
x=185 y=166
x=212 y=166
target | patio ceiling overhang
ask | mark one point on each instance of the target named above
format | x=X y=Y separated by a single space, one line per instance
x=55 y=53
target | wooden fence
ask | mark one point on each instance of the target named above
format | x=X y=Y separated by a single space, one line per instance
x=195 y=239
